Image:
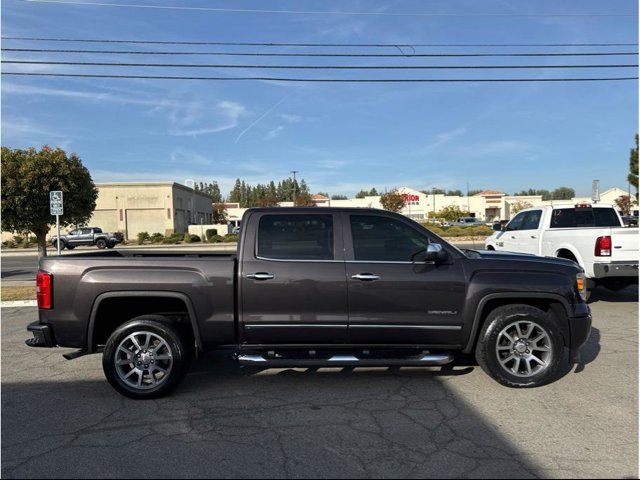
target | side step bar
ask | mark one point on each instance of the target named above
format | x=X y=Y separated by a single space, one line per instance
x=423 y=360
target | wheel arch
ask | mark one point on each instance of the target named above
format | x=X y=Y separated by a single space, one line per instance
x=100 y=299
x=556 y=304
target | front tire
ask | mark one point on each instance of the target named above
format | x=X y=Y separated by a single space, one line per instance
x=520 y=346
x=145 y=358
x=101 y=243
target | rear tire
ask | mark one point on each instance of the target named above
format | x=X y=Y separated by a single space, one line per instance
x=71 y=247
x=145 y=358
x=101 y=243
x=520 y=346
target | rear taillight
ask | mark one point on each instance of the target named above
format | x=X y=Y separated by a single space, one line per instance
x=44 y=290
x=603 y=246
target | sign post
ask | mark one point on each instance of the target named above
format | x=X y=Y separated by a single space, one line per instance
x=57 y=209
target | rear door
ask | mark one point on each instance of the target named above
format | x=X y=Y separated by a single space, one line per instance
x=394 y=299
x=292 y=280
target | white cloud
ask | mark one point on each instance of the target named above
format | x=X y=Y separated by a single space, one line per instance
x=197 y=118
x=291 y=118
x=21 y=131
x=275 y=132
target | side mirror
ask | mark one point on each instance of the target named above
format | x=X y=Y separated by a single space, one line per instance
x=498 y=227
x=435 y=253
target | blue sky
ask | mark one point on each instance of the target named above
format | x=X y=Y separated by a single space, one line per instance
x=341 y=137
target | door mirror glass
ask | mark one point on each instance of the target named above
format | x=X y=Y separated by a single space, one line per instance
x=433 y=253
x=497 y=227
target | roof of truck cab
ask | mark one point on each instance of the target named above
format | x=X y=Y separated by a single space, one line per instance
x=318 y=209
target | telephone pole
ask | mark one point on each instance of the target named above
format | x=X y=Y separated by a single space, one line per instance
x=294 y=186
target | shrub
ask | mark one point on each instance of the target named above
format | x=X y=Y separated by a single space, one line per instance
x=195 y=238
x=211 y=232
x=216 y=239
x=9 y=244
x=187 y=238
x=18 y=239
x=157 y=238
x=230 y=237
x=143 y=237
x=33 y=239
x=171 y=240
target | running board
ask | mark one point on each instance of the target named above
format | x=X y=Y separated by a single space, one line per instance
x=423 y=360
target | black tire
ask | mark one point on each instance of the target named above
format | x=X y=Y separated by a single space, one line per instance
x=179 y=352
x=111 y=245
x=54 y=244
x=488 y=356
x=491 y=248
x=71 y=247
x=101 y=243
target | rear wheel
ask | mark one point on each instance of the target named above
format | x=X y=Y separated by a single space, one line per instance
x=520 y=346
x=71 y=247
x=101 y=243
x=145 y=358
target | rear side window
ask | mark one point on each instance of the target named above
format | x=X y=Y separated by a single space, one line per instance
x=584 y=217
x=385 y=239
x=296 y=237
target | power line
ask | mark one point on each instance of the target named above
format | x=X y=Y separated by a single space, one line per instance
x=329 y=12
x=288 y=54
x=325 y=80
x=293 y=44
x=314 y=67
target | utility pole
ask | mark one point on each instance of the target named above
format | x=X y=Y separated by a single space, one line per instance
x=294 y=186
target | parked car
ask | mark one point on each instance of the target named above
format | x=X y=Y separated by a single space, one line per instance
x=630 y=220
x=88 y=236
x=314 y=287
x=591 y=235
x=467 y=222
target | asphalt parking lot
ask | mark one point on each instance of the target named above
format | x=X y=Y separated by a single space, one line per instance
x=61 y=418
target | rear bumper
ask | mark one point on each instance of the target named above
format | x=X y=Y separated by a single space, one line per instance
x=615 y=269
x=43 y=336
x=580 y=326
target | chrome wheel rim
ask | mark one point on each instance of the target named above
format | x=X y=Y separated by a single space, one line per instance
x=524 y=349
x=143 y=360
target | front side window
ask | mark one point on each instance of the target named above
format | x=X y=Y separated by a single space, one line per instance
x=516 y=223
x=532 y=220
x=86 y=231
x=296 y=237
x=385 y=239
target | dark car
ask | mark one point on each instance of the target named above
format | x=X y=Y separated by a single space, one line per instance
x=88 y=236
x=314 y=287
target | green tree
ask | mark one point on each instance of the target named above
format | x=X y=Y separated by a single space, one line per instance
x=518 y=206
x=392 y=201
x=27 y=178
x=563 y=193
x=451 y=213
x=339 y=197
x=632 y=178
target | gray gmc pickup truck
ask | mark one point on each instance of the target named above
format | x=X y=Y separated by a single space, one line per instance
x=314 y=287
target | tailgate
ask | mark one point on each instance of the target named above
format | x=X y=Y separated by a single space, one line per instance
x=625 y=244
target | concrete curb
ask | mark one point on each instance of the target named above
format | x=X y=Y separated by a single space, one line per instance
x=19 y=303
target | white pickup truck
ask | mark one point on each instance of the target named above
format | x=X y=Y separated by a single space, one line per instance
x=593 y=236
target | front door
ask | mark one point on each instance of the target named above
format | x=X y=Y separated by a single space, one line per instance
x=293 y=284
x=394 y=298
x=509 y=240
x=529 y=241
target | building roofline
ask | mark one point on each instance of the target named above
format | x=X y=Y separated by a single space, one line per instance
x=151 y=184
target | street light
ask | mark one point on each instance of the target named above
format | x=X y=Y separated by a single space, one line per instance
x=294 y=186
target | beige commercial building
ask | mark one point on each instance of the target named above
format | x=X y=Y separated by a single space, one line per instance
x=488 y=205
x=152 y=207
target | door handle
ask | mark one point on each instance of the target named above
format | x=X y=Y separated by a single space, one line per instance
x=261 y=276
x=366 y=277
x=534 y=236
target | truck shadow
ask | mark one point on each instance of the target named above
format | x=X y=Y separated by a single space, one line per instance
x=629 y=294
x=350 y=424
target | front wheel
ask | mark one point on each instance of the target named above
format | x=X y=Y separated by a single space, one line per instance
x=520 y=346
x=101 y=243
x=145 y=358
